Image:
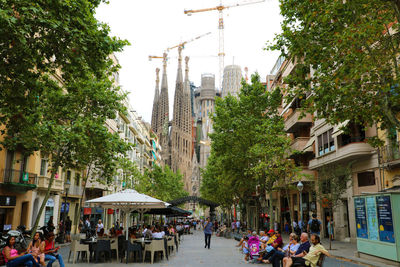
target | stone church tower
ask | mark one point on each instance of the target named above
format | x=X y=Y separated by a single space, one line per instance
x=160 y=115
x=177 y=145
x=181 y=130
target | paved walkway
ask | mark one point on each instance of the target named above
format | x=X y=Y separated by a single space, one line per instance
x=191 y=254
x=224 y=253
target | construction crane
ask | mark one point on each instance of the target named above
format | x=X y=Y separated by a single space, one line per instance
x=220 y=8
x=182 y=45
x=189 y=41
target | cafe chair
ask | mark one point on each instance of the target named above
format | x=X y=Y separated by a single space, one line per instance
x=170 y=244
x=114 y=246
x=76 y=246
x=103 y=246
x=154 y=246
x=129 y=247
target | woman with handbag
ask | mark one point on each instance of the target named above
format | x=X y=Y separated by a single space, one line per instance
x=51 y=253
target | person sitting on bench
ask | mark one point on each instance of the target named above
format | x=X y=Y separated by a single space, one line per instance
x=311 y=258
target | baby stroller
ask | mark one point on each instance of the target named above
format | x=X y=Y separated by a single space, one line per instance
x=254 y=248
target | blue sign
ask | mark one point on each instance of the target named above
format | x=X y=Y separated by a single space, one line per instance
x=62 y=207
x=372 y=219
x=361 y=218
x=386 y=232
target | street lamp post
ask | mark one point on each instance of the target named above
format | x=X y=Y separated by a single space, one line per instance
x=300 y=187
x=66 y=188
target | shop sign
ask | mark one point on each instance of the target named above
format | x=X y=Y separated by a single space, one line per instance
x=63 y=207
x=372 y=218
x=385 y=220
x=361 y=218
x=110 y=211
x=25 y=177
x=50 y=202
x=87 y=211
x=99 y=210
x=8 y=200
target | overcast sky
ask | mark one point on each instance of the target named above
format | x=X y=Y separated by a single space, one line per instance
x=151 y=26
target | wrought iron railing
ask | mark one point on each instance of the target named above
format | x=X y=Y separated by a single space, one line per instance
x=18 y=177
x=389 y=153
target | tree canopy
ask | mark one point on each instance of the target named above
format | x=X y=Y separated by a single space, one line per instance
x=57 y=89
x=347 y=58
x=249 y=148
x=161 y=183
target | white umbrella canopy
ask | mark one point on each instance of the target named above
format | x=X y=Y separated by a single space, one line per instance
x=128 y=200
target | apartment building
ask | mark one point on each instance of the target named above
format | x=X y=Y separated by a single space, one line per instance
x=327 y=146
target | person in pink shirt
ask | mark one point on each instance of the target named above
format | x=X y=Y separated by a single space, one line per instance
x=13 y=258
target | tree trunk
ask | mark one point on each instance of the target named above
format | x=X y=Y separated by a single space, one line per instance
x=77 y=216
x=290 y=210
x=271 y=212
x=56 y=165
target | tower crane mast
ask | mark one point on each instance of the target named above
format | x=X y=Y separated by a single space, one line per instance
x=220 y=8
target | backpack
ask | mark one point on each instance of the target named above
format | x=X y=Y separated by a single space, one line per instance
x=314 y=227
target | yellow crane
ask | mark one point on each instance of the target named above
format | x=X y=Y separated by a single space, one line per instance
x=189 y=41
x=220 y=8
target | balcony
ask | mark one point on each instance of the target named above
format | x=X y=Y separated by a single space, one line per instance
x=293 y=122
x=389 y=155
x=75 y=190
x=345 y=153
x=299 y=143
x=18 y=181
x=43 y=184
x=95 y=185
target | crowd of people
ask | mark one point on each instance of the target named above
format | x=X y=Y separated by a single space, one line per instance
x=267 y=247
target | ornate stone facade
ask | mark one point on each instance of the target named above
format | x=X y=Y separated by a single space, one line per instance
x=177 y=143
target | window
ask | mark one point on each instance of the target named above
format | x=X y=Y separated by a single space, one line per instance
x=325 y=143
x=69 y=176
x=43 y=167
x=366 y=178
x=77 y=179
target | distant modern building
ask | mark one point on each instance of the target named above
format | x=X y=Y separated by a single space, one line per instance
x=232 y=80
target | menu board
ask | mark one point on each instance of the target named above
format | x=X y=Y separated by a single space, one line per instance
x=361 y=217
x=385 y=220
x=372 y=219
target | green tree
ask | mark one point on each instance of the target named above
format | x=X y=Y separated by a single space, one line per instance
x=56 y=92
x=346 y=55
x=162 y=183
x=249 y=146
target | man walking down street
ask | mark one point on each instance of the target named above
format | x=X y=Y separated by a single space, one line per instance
x=238 y=226
x=314 y=225
x=208 y=227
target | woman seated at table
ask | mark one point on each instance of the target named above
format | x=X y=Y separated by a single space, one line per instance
x=157 y=234
x=119 y=231
x=101 y=233
x=133 y=234
x=112 y=232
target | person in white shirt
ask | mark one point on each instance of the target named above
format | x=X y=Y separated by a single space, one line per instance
x=238 y=225
x=99 y=226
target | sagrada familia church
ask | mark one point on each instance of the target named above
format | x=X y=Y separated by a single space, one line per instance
x=177 y=137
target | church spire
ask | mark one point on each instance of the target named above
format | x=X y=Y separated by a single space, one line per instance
x=164 y=83
x=156 y=94
x=154 y=115
x=179 y=74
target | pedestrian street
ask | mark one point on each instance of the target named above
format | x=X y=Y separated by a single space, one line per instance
x=192 y=253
